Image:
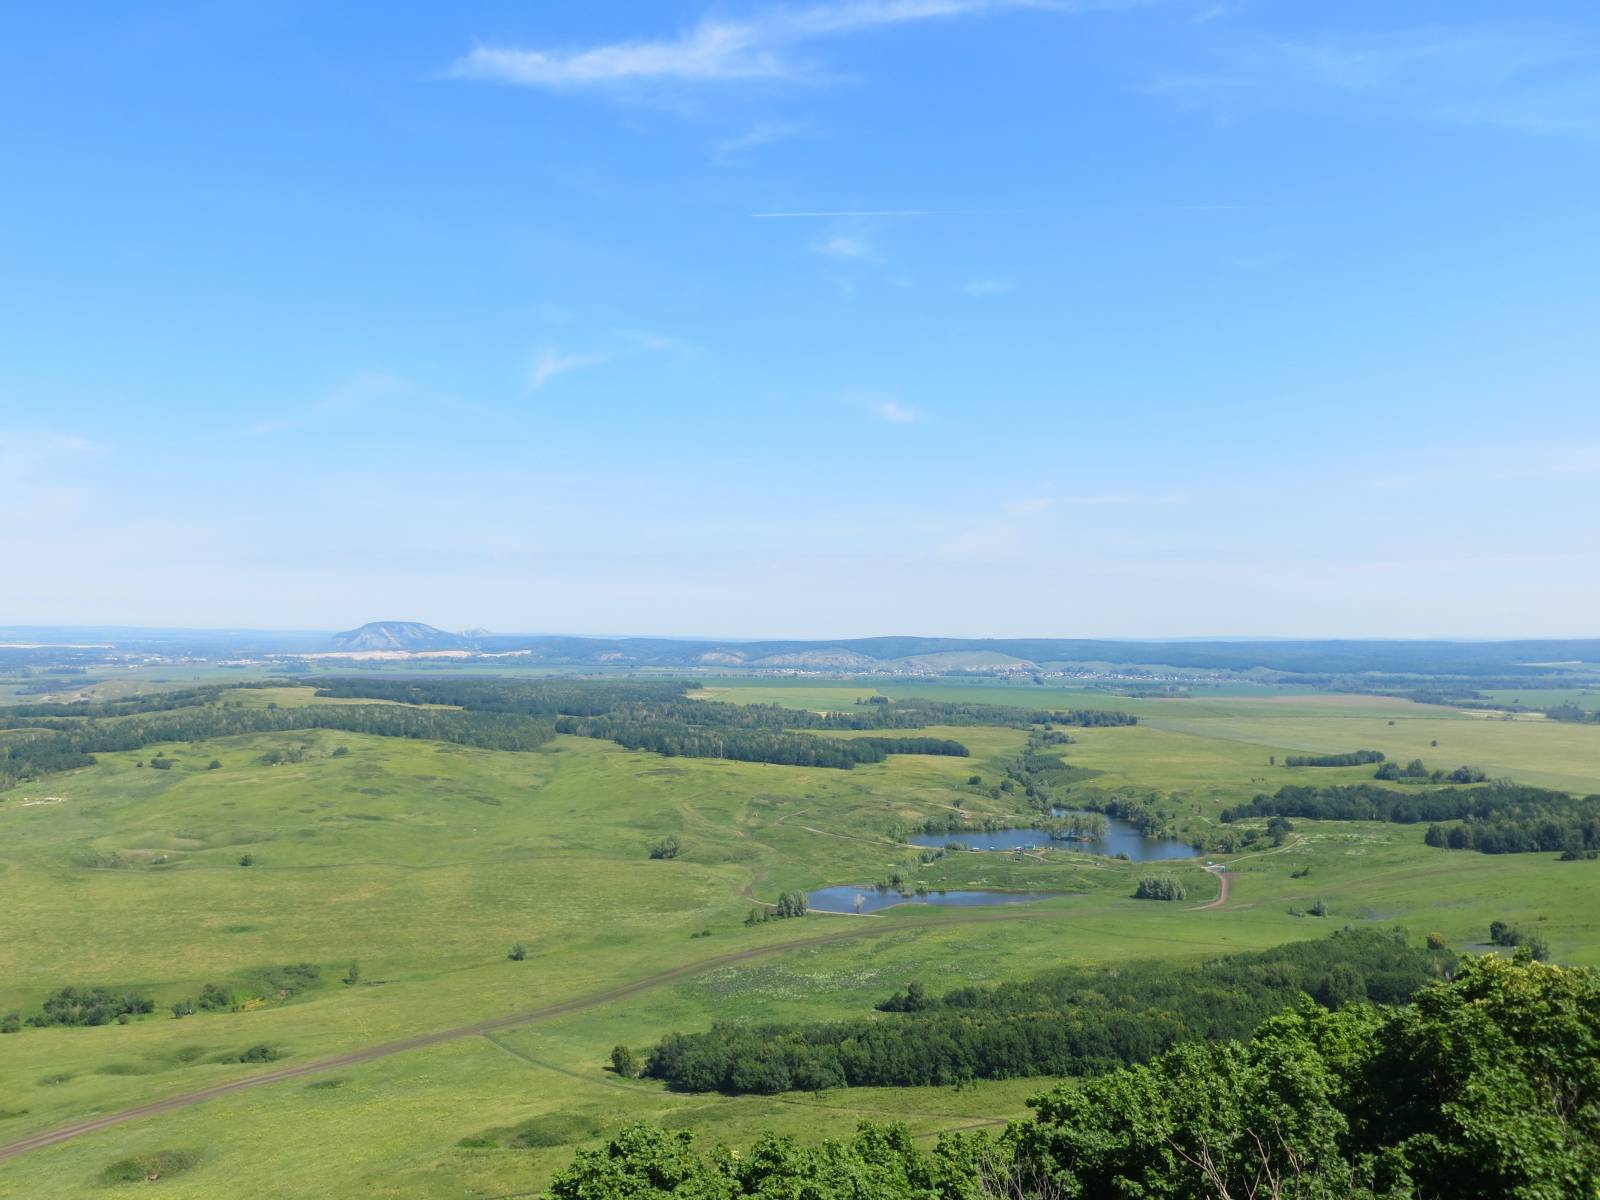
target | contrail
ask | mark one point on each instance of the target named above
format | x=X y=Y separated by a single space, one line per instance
x=884 y=212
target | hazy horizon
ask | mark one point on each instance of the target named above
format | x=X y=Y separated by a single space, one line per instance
x=115 y=627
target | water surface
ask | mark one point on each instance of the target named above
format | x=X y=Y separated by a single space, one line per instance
x=1120 y=838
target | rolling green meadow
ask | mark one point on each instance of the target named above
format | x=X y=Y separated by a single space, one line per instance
x=422 y=863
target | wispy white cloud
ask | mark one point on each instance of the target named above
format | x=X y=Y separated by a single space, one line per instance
x=24 y=451
x=649 y=341
x=998 y=536
x=44 y=474
x=358 y=391
x=765 y=133
x=550 y=364
x=708 y=52
x=987 y=287
x=1128 y=499
x=1533 y=80
x=261 y=428
x=1033 y=504
x=1528 y=464
x=716 y=50
x=844 y=247
x=861 y=212
x=896 y=413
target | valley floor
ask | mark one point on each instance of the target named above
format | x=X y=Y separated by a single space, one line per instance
x=424 y=863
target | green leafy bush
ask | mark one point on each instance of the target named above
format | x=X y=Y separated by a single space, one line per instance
x=89 y=1006
x=1159 y=887
x=148 y=1168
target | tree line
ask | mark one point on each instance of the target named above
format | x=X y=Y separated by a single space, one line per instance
x=741 y=745
x=1482 y=1088
x=658 y=717
x=1416 y=771
x=633 y=701
x=1352 y=758
x=1572 y=712
x=654 y=715
x=141 y=702
x=1501 y=818
x=37 y=746
x=1528 y=830
x=1367 y=802
x=530 y=698
x=1071 y=1022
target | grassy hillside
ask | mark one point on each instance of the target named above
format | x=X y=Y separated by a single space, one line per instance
x=424 y=863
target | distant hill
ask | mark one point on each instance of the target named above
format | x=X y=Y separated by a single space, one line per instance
x=1351 y=662
x=397 y=635
x=1322 y=659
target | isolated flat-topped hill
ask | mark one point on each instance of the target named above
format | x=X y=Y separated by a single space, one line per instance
x=397 y=635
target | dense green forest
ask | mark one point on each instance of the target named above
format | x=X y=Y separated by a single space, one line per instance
x=752 y=745
x=140 y=702
x=1500 y=818
x=36 y=746
x=1523 y=831
x=662 y=702
x=514 y=715
x=658 y=717
x=1572 y=712
x=533 y=698
x=1069 y=1022
x=1483 y=1087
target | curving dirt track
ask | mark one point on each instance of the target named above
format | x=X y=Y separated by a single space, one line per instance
x=63 y=1133
x=1225 y=882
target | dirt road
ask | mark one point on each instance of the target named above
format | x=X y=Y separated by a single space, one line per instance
x=154 y=1108
x=1225 y=882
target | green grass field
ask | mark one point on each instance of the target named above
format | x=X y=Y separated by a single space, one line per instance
x=424 y=863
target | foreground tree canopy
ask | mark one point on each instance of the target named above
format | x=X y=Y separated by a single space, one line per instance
x=1484 y=1087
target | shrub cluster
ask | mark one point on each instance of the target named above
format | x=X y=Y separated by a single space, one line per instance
x=1160 y=887
x=268 y=985
x=1511 y=937
x=790 y=904
x=1416 y=771
x=89 y=1006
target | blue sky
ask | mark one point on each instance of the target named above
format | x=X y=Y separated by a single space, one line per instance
x=886 y=316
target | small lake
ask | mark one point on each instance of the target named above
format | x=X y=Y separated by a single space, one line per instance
x=1120 y=838
x=867 y=899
